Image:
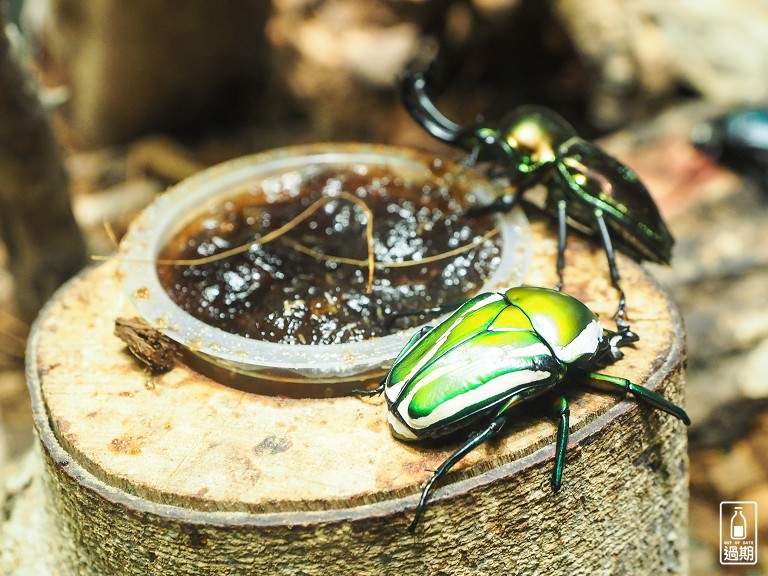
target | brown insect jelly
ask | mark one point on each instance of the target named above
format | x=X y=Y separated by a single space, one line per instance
x=278 y=292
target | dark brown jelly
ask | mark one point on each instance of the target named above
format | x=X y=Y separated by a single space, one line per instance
x=276 y=293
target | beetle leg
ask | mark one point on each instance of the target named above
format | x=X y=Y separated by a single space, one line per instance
x=626 y=336
x=562 y=413
x=493 y=428
x=614 y=271
x=418 y=335
x=617 y=384
x=562 y=238
x=623 y=337
x=434 y=311
x=471 y=160
x=503 y=204
x=369 y=392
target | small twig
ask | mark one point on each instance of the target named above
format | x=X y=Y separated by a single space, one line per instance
x=370 y=262
x=275 y=234
x=402 y=264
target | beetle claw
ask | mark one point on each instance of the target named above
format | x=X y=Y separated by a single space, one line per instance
x=626 y=336
x=368 y=392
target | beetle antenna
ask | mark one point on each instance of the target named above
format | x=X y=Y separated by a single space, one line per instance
x=616 y=384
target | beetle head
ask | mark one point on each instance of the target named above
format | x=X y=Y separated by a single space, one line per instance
x=609 y=349
x=486 y=144
x=530 y=138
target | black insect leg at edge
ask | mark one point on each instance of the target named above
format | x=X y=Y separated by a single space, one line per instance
x=493 y=428
x=433 y=311
x=616 y=384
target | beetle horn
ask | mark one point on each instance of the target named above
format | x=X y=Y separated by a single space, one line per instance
x=413 y=87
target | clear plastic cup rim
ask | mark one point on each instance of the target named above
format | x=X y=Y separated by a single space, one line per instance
x=321 y=364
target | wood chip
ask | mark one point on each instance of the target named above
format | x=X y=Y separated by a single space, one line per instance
x=149 y=346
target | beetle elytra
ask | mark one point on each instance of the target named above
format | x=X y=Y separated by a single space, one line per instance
x=494 y=353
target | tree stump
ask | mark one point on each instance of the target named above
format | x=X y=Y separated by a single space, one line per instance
x=180 y=474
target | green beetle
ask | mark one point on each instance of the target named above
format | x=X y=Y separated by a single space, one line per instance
x=493 y=353
x=585 y=186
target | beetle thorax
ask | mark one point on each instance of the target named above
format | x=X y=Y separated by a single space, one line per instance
x=566 y=325
x=535 y=134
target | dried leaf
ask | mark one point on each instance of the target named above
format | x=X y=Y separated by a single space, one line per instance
x=149 y=346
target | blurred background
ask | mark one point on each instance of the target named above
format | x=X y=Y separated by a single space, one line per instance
x=105 y=103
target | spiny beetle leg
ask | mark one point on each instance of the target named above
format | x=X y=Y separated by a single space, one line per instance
x=622 y=385
x=502 y=204
x=605 y=236
x=493 y=428
x=562 y=413
x=407 y=348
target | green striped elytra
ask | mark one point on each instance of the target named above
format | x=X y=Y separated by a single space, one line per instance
x=494 y=352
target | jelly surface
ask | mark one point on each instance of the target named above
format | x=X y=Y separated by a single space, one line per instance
x=292 y=290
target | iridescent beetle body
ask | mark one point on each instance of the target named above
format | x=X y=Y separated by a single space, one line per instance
x=495 y=352
x=534 y=145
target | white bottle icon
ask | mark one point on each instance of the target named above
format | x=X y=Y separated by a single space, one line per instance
x=738 y=525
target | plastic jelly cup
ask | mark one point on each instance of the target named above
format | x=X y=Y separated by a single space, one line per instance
x=293 y=370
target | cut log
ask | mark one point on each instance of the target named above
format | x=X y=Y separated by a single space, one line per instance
x=180 y=474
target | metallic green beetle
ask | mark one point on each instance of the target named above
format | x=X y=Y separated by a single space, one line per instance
x=585 y=186
x=495 y=352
